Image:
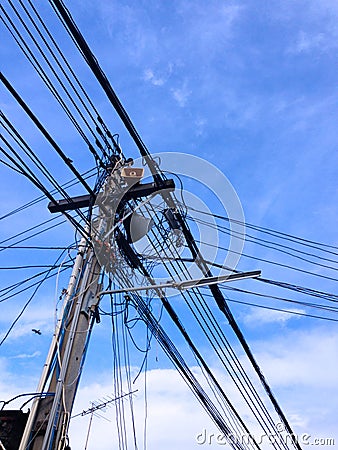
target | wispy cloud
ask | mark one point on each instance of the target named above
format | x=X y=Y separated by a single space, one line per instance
x=181 y=94
x=26 y=355
x=258 y=317
x=152 y=78
x=158 y=77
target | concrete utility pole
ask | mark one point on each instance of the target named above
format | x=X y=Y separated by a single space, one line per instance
x=48 y=421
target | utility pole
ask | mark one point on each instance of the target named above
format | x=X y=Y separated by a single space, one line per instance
x=48 y=421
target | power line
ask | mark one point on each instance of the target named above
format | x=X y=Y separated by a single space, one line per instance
x=270 y=308
x=273 y=246
x=275 y=263
x=4 y=297
x=42 y=73
x=32 y=228
x=86 y=175
x=28 y=302
x=57 y=60
x=36 y=161
x=92 y=62
x=49 y=138
x=218 y=340
x=32 y=235
x=276 y=233
x=26 y=171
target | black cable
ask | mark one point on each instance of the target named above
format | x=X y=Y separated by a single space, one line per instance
x=26 y=171
x=206 y=313
x=14 y=286
x=32 y=228
x=283 y=299
x=10 y=166
x=276 y=233
x=189 y=378
x=221 y=303
x=36 y=161
x=264 y=242
x=275 y=263
x=270 y=308
x=302 y=289
x=175 y=319
x=28 y=302
x=70 y=183
x=61 y=54
x=49 y=138
x=92 y=62
x=32 y=235
x=57 y=60
x=188 y=301
x=41 y=72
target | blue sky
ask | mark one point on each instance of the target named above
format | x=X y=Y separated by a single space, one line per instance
x=252 y=88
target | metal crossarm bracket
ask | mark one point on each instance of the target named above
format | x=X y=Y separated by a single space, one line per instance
x=84 y=201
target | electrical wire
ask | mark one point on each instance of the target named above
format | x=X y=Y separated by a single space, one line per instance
x=86 y=175
x=40 y=283
x=274 y=246
x=26 y=49
x=270 y=308
x=275 y=263
x=279 y=234
x=27 y=172
x=36 y=161
x=206 y=313
x=4 y=296
x=45 y=133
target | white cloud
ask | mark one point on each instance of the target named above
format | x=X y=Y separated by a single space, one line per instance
x=304 y=358
x=260 y=316
x=152 y=78
x=200 y=126
x=173 y=416
x=301 y=367
x=181 y=95
x=26 y=355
